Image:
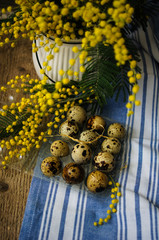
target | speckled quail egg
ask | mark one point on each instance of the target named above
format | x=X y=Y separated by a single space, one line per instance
x=81 y=153
x=51 y=166
x=89 y=136
x=116 y=130
x=104 y=161
x=59 y=148
x=76 y=114
x=68 y=128
x=73 y=173
x=97 y=123
x=97 y=181
x=111 y=145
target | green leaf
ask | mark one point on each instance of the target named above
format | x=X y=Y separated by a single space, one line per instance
x=7 y=120
x=101 y=73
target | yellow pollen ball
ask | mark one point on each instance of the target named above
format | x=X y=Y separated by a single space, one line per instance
x=132 y=80
x=109 y=217
x=132 y=98
x=50 y=102
x=56 y=95
x=72 y=62
x=114 y=210
x=49 y=68
x=56 y=49
x=65 y=81
x=61 y=72
x=138 y=76
x=75 y=49
x=137 y=103
x=128 y=105
x=108 y=211
x=130 y=113
x=70 y=72
x=58 y=85
x=111 y=205
x=135 y=88
x=64 y=11
x=133 y=64
x=82 y=69
x=42 y=71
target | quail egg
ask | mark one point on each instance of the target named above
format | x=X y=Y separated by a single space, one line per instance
x=111 y=145
x=59 y=148
x=51 y=166
x=76 y=114
x=73 y=173
x=97 y=181
x=116 y=130
x=104 y=161
x=68 y=128
x=89 y=136
x=81 y=153
x=97 y=123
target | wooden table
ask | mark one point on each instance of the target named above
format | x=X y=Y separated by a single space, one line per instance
x=14 y=61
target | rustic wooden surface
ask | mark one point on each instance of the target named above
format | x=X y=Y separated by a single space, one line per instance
x=14 y=62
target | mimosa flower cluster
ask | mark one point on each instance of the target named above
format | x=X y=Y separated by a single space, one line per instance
x=115 y=195
x=91 y=21
x=32 y=120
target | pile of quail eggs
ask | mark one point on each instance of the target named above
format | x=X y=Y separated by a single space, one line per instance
x=91 y=146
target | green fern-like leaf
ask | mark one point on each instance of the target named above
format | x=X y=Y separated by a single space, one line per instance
x=103 y=75
x=100 y=73
x=7 y=120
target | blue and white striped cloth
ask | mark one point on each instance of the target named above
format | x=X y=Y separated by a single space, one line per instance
x=56 y=211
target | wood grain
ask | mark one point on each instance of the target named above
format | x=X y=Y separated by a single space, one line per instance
x=16 y=61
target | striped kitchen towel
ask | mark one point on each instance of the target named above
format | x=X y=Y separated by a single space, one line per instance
x=57 y=211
